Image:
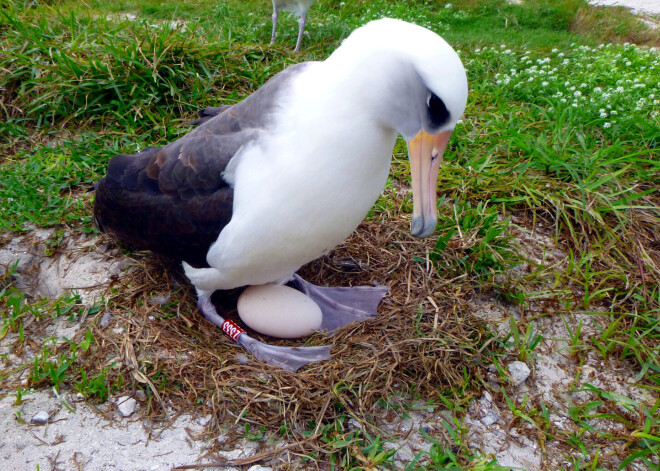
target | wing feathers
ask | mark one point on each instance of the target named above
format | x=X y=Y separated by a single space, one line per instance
x=174 y=200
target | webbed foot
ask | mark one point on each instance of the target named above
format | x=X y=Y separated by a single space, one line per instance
x=342 y=305
x=288 y=358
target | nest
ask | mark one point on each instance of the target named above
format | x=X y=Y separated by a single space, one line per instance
x=423 y=342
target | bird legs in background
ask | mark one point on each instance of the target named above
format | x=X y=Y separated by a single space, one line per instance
x=302 y=21
x=276 y=14
x=340 y=307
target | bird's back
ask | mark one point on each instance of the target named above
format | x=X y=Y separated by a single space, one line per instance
x=175 y=200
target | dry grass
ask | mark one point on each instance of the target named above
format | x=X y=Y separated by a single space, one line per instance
x=615 y=25
x=422 y=343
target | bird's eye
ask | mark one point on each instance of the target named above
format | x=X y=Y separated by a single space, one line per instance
x=438 y=113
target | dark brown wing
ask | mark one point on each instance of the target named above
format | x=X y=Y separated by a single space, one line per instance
x=174 y=200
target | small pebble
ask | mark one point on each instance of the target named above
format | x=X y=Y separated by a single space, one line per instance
x=519 y=372
x=126 y=405
x=140 y=395
x=40 y=418
x=203 y=420
x=354 y=423
x=106 y=318
x=490 y=418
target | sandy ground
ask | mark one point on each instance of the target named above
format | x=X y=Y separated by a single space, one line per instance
x=89 y=439
x=644 y=6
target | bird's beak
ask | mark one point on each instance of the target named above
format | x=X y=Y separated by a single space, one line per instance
x=425 y=152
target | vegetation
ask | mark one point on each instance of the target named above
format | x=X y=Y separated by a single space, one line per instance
x=560 y=136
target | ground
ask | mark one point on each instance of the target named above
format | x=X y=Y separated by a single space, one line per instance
x=106 y=363
x=79 y=434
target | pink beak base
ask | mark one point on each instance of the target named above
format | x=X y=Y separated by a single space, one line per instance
x=425 y=152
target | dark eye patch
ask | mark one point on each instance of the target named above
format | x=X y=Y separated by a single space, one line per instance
x=438 y=114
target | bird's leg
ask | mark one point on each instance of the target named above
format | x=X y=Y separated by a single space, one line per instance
x=302 y=21
x=343 y=305
x=288 y=358
x=275 y=15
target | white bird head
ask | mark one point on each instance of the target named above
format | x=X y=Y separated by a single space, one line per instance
x=427 y=88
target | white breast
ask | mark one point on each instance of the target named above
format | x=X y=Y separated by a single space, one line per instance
x=303 y=190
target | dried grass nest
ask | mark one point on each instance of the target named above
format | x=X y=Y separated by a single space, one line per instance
x=423 y=342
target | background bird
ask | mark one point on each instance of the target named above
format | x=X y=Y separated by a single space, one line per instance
x=262 y=187
x=299 y=8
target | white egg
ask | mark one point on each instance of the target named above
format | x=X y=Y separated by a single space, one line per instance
x=279 y=311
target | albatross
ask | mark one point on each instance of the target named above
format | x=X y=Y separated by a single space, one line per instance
x=264 y=186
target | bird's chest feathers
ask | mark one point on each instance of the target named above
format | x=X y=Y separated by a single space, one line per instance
x=317 y=181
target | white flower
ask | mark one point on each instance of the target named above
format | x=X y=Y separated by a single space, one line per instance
x=613 y=112
x=561 y=54
x=603 y=114
x=607 y=125
x=449 y=5
x=544 y=84
x=628 y=63
x=577 y=94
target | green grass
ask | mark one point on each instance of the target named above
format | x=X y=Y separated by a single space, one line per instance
x=561 y=130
